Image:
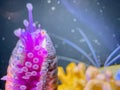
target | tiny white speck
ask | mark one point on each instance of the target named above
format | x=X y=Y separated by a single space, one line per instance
x=114 y=35
x=101 y=11
x=3 y=38
x=74 y=19
x=82 y=40
x=9 y=17
x=98 y=3
x=74 y=1
x=72 y=30
x=96 y=41
x=53 y=8
x=58 y=2
x=49 y=1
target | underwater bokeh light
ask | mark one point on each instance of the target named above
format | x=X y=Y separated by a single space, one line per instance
x=81 y=30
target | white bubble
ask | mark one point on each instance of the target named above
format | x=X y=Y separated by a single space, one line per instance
x=96 y=41
x=74 y=1
x=49 y=1
x=74 y=19
x=72 y=30
x=114 y=35
x=3 y=38
x=9 y=17
x=82 y=40
x=98 y=3
x=101 y=11
x=58 y=2
x=53 y=8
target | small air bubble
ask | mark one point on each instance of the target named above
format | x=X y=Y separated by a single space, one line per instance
x=98 y=3
x=74 y=1
x=58 y=2
x=3 y=38
x=74 y=20
x=101 y=11
x=9 y=17
x=39 y=25
x=72 y=30
x=49 y=1
x=53 y=8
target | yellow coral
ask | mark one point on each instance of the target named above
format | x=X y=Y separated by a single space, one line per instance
x=77 y=77
x=73 y=79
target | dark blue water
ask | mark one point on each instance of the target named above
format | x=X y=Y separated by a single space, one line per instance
x=99 y=20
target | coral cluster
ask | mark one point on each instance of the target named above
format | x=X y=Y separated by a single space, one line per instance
x=80 y=77
x=33 y=63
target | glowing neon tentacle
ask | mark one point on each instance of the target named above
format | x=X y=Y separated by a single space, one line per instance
x=111 y=55
x=113 y=60
x=76 y=47
x=68 y=59
x=90 y=47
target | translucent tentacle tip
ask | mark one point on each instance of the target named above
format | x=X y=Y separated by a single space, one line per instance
x=29 y=6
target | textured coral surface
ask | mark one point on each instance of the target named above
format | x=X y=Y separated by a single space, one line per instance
x=80 y=77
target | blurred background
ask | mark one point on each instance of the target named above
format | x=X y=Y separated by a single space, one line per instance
x=99 y=20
